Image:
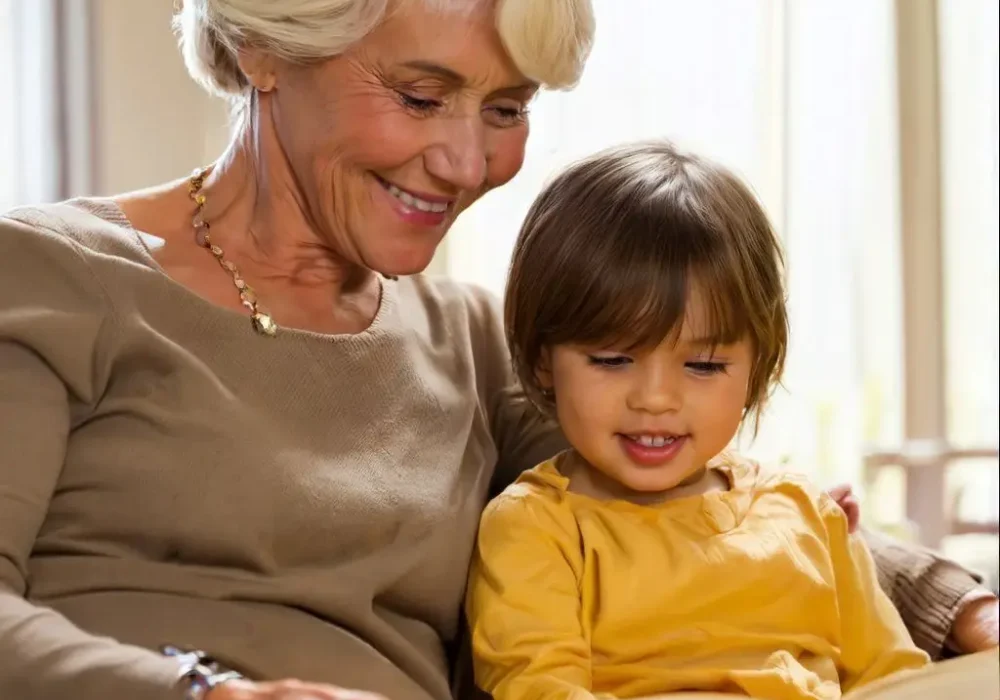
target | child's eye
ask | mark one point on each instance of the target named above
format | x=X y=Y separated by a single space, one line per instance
x=609 y=361
x=706 y=368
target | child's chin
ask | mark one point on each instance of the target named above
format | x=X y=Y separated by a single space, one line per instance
x=652 y=482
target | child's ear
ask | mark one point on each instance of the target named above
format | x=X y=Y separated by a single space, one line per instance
x=543 y=370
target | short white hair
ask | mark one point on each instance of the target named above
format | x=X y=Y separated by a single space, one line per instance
x=548 y=40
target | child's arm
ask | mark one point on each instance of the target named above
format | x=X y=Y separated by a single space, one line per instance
x=524 y=603
x=874 y=641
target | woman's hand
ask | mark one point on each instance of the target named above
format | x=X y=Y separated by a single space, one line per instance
x=844 y=497
x=285 y=690
x=977 y=626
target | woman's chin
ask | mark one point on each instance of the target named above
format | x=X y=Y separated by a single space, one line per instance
x=397 y=265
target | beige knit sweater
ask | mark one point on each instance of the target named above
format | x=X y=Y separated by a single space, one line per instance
x=303 y=506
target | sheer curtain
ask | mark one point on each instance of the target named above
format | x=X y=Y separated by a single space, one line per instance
x=841 y=227
x=970 y=54
x=8 y=110
x=44 y=52
x=695 y=72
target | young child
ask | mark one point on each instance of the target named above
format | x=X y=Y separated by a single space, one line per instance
x=645 y=312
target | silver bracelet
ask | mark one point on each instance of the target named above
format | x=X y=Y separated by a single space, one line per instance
x=198 y=673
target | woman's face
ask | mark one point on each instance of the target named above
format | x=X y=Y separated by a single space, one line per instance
x=390 y=141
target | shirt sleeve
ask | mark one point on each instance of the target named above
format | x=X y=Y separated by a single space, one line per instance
x=874 y=640
x=51 y=320
x=927 y=589
x=524 y=605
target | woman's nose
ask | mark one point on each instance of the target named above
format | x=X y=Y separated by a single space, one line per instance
x=459 y=157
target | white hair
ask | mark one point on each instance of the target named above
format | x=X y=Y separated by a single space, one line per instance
x=548 y=40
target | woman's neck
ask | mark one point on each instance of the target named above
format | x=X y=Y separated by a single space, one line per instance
x=260 y=217
x=260 y=220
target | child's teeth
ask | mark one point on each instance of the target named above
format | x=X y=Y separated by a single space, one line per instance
x=651 y=441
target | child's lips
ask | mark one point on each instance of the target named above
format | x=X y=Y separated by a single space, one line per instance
x=652 y=451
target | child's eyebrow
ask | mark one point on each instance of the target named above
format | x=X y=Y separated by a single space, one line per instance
x=705 y=343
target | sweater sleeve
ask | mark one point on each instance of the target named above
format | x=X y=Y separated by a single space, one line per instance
x=927 y=589
x=523 y=436
x=524 y=606
x=52 y=317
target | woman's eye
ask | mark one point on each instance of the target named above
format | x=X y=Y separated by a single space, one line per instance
x=508 y=116
x=609 y=361
x=707 y=368
x=417 y=104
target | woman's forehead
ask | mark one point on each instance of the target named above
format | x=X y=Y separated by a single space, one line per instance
x=424 y=34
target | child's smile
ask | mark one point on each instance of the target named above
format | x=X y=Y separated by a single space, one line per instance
x=652 y=450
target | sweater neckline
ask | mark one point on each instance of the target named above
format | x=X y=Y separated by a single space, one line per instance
x=721 y=511
x=109 y=211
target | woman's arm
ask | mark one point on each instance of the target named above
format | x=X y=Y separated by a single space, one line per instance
x=51 y=315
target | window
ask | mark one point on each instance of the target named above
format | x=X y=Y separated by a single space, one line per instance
x=969 y=57
x=43 y=49
x=9 y=189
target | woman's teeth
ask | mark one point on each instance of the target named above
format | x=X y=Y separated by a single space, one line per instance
x=651 y=441
x=415 y=202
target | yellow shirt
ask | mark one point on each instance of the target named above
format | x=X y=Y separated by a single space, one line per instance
x=758 y=590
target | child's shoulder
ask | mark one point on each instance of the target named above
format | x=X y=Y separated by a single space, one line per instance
x=764 y=480
x=536 y=499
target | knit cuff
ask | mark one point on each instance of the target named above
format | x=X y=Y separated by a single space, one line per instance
x=927 y=589
x=930 y=603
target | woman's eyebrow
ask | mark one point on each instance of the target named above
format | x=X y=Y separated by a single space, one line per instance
x=455 y=78
x=438 y=70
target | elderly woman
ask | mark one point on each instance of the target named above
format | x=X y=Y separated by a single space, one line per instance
x=234 y=416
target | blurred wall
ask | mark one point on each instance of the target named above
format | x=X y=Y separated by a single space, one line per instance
x=153 y=122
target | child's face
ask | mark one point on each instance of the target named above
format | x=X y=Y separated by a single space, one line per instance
x=650 y=419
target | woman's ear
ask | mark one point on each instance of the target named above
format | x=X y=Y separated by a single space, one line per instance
x=258 y=66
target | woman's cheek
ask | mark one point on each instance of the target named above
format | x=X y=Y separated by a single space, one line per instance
x=507 y=156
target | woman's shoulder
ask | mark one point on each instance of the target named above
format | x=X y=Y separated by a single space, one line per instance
x=463 y=311
x=458 y=300
x=83 y=226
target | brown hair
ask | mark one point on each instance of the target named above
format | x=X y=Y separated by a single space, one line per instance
x=611 y=249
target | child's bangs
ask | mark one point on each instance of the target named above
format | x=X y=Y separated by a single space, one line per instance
x=638 y=303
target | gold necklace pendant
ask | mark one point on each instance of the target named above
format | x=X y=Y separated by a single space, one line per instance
x=264 y=324
x=260 y=320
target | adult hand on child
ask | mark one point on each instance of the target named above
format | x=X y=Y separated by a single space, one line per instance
x=285 y=690
x=977 y=625
x=844 y=497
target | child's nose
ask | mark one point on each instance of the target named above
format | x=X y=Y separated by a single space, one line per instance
x=656 y=392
